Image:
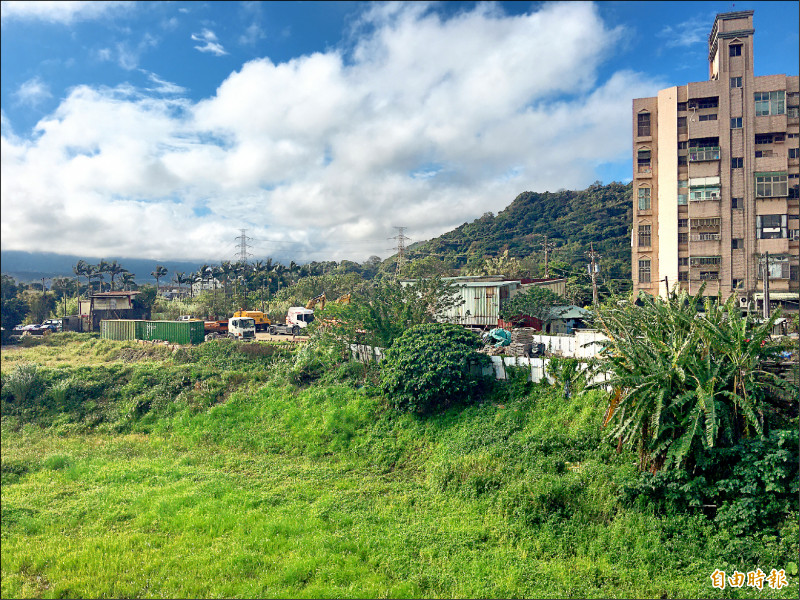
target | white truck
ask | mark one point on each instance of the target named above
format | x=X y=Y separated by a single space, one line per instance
x=297 y=319
x=242 y=328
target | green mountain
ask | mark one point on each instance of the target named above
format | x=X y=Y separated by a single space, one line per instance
x=600 y=216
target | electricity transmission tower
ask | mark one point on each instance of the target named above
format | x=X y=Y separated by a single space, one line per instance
x=243 y=239
x=400 y=248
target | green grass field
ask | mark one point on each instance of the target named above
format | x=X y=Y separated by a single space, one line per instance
x=163 y=475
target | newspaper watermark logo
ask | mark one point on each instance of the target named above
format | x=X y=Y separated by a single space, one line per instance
x=754 y=579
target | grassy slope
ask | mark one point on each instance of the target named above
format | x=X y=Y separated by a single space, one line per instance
x=321 y=492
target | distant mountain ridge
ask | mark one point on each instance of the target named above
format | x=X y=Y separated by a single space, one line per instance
x=32 y=266
x=600 y=215
x=573 y=220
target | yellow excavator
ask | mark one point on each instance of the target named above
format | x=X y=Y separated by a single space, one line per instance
x=321 y=300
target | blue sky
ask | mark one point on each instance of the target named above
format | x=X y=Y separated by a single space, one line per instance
x=160 y=129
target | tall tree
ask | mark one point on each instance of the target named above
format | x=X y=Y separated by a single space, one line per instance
x=159 y=274
x=81 y=269
x=127 y=280
x=114 y=269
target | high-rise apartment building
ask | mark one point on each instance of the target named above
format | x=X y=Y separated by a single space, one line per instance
x=715 y=178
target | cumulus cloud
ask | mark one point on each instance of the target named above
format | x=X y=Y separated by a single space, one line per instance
x=209 y=42
x=63 y=12
x=426 y=123
x=33 y=92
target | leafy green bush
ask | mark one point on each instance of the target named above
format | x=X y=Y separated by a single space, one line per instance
x=752 y=486
x=431 y=366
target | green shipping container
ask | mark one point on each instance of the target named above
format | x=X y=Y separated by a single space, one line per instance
x=174 y=332
x=120 y=329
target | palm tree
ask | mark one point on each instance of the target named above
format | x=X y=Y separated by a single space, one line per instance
x=179 y=278
x=158 y=274
x=100 y=269
x=115 y=269
x=127 y=280
x=81 y=269
x=226 y=269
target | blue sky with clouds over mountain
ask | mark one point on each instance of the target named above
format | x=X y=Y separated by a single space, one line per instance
x=161 y=129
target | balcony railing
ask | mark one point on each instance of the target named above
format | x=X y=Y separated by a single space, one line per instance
x=704 y=153
x=644 y=169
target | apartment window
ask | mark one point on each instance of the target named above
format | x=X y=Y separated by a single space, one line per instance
x=770 y=103
x=644 y=198
x=644 y=235
x=683 y=238
x=703 y=153
x=793 y=272
x=683 y=222
x=735 y=50
x=737 y=283
x=771 y=227
x=712 y=117
x=683 y=262
x=779 y=268
x=682 y=145
x=699 y=103
x=643 y=161
x=644 y=271
x=771 y=185
x=736 y=82
x=683 y=276
x=794 y=191
x=737 y=202
x=683 y=183
x=681 y=106
x=683 y=199
x=682 y=124
x=791 y=136
x=709 y=275
x=705 y=222
x=737 y=163
x=792 y=112
x=683 y=160
x=703 y=193
x=643 y=124
x=703 y=261
x=737 y=244
x=794 y=152
x=736 y=123
x=763 y=138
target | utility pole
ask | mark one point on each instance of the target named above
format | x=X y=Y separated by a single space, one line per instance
x=547 y=248
x=594 y=269
x=401 y=249
x=765 y=276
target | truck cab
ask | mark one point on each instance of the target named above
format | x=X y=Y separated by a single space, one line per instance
x=242 y=328
x=261 y=320
x=299 y=316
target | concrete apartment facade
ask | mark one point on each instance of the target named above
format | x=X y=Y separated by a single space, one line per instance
x=715 y=178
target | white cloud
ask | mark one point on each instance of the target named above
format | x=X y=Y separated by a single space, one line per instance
x=162 y=86
x=63 y=11
x=429 y=123
x=32 y=92
x=693 y=31
x=252 y=34
x=210 y=42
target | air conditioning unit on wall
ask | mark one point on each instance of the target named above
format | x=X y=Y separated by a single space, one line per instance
x=743 y=302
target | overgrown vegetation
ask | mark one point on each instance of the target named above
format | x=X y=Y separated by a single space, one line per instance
x=269 y=471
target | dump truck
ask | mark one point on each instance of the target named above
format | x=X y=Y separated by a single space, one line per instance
x=262 y=321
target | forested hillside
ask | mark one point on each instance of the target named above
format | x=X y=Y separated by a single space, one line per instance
x=600 y=214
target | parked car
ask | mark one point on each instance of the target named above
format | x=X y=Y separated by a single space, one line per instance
x=53 y=325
